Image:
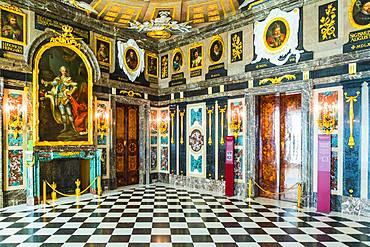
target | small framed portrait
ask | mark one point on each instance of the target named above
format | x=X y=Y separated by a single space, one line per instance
x=177 y=60
x=152 y=65
x=131 y=59
x=359 y=13
x=196 y=57
x=216 y=49
x=103 y=51
x=13 y=25
x=276 y=34
x=164 y=67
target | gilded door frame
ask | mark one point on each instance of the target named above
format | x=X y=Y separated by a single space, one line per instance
x=144 y=136
x=305 y=88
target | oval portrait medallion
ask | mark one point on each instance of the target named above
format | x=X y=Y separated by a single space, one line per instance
x=276 y=34
x=131 y=59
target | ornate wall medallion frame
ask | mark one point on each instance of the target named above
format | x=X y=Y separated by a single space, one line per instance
x=65 y=40
x=215 y=39
x=105 y=40
x=147 y=71
x=18 y=12
x=196 y=47
x=352 y=19
x=287 y=34
x=174 y=53
x=131 y=48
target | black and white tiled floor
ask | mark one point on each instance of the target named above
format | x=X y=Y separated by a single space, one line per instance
x=164 y=216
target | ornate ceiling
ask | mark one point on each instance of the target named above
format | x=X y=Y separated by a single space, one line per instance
x=198 y=12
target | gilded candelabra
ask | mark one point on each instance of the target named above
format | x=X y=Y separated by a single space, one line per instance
x=222 y=111
x=351 y=100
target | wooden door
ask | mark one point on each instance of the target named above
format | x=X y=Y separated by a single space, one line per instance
x=290 y=144
x=280 y=144
x=268 y=144
x=127 y=139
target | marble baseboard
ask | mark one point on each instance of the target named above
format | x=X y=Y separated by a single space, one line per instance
x=14 y=197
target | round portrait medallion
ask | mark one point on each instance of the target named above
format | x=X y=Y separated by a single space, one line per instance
x=177 y=61
x=131 y=59
x=359 y=13
x=276 y=34
x=216 y=50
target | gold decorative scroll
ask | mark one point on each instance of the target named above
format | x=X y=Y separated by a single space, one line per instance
x=173 y=127
x=277 y=80
x=237 y=48
x=130 y=93
x=222 y=111
x=351 y=100
x=210 y=111
x=327 y=23
x=182 y=114
x=66 y=38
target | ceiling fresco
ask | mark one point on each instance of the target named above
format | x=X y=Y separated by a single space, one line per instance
x=122 y=12
x=194 y=13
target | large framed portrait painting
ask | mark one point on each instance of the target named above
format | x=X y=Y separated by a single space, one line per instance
x=62 y=96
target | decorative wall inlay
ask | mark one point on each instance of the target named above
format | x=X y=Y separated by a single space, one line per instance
x=196 y=150
x=328 y=21
x=236 y=128
x=102 y=121
x=160 y=143
x=15 y=116
x=222 y=111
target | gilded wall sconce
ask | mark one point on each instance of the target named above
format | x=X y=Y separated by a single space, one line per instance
x=182 y=114
x=222 y=111
x=210 y=111
x=173 y=127
x=351 y=100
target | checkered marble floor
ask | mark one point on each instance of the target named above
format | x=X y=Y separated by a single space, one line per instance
x=162 y=216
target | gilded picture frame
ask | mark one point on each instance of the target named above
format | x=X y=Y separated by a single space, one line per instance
x=56 y=100
x=103 y=50
x=152 y=65
x=8 y=29
x=212 y=53
x=196 y=57
x=284 y=27
x=354 y=13
x=177 y=66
